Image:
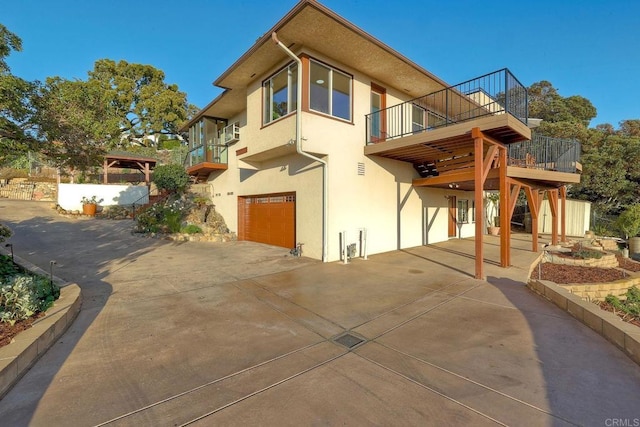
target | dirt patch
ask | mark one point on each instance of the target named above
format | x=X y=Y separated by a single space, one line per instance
x=563 y=274
x=7 y=331
x=628 y=263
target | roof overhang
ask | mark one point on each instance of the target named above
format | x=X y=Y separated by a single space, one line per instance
x=312 y=26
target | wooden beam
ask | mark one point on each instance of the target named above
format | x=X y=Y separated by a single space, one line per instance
x=488 y=161
x=448 y=178
x=505 y=219
x=105 y=169
x=534 y=208
x=478 y=193
x=553 y=206
x=515 y=191
x=563 y=215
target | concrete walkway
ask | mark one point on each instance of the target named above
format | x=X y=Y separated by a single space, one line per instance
x=242 y=334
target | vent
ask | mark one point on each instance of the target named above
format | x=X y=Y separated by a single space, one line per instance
x=360 y=169
x=349 y=340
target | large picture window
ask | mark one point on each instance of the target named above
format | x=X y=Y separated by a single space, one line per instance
x=279 y=93
x=329 y=91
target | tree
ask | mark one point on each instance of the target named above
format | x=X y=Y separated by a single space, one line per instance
x=546 y=103
x=8 y=42
x=144 y=104
x=630 y=127
x=118 y=104
x=15 y=102
x=77 y=123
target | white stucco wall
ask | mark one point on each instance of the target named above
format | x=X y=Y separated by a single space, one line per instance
x=70 y=195
x=383 y=200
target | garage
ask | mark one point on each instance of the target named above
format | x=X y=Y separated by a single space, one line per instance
x=268 y=218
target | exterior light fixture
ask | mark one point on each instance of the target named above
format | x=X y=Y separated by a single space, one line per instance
x=320 y=81
x=10 y=245
x=51 y=264
x=454 y=185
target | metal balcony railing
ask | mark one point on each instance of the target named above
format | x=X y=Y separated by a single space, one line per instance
x=492 y=94
x=546 y=153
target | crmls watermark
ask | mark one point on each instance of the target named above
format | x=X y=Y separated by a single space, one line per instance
x=622 y=422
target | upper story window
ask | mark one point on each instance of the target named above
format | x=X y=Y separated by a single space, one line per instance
x=329 y=91
x=280 y=93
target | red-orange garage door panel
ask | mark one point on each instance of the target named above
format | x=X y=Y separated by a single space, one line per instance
x=268 y=218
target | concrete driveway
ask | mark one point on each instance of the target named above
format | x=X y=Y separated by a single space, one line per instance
x=243 y=334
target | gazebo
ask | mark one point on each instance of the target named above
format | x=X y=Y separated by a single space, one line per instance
x=123 y=160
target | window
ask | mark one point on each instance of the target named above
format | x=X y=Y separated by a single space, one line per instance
x=280 y=93
x=329 y=91
x=463 y=211
x=473 y=211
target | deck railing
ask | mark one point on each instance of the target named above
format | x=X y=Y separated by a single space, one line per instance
x=212 y=153
x=494 y=93
x=546 y=153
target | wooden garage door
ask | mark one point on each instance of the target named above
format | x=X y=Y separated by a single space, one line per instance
x=268 y=218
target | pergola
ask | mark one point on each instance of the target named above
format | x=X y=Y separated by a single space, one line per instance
x=128 y=161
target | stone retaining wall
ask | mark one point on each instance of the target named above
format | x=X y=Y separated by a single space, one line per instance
x=599 y=291
x=25 y=190
x=607 y=261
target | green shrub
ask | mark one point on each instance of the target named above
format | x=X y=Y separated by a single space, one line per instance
x=628 y=223
x=23 y=295
x=5 y=232
x=586 y=254
x=169 y=144
x=163 y=217
x=7 y=268
x=631 y=305
x=191 y=229
x=172 y=178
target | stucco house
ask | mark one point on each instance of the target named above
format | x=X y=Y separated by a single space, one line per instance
x=326 y=136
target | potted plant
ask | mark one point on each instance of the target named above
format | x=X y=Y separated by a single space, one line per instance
x=90 y=205
x=493 y=219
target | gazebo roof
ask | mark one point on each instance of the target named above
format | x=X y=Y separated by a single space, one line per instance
x=126 y=160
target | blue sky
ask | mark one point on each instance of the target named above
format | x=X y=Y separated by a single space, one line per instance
x=587 y=47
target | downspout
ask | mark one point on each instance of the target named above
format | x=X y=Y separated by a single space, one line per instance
x=325 y=190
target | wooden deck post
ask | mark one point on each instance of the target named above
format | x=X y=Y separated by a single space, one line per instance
x=478 y=144
x=505 y=218
x=553 y=206
x=105 y=171
x=563 y=214
x=534 y=208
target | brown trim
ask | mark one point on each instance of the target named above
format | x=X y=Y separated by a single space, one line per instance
x=383 y=104
x=303 y=85
x=241 y=151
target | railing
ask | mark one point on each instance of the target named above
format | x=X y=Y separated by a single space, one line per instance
x=495 y=93
x=547 y=153
x=212 y=152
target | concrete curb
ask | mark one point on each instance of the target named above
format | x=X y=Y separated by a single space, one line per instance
x=17 y=357
x=623 y=335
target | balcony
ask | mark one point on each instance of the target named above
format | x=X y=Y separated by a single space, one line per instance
x=204 y=159
x=439 y=124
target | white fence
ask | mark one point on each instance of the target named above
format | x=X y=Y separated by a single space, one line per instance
x=70 y=195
